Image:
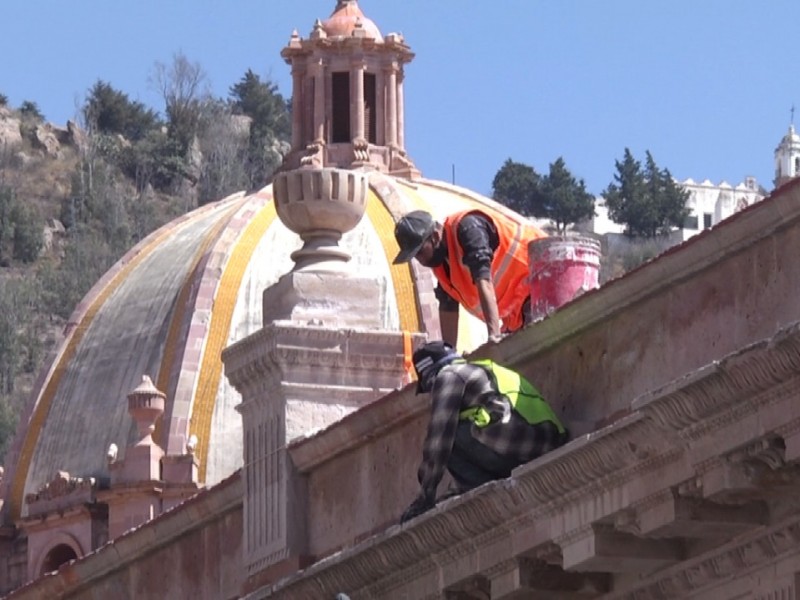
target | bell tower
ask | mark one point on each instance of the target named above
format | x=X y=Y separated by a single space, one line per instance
x=787 y=156
x=347 y=96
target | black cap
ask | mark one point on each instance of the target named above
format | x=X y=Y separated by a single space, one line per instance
x=428 y=359
x=411 y=232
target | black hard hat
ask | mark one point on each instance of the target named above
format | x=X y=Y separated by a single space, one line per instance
x=411 y=232
x=428 y=360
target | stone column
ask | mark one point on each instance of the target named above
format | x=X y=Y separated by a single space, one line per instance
x=319 y=102
x=298 y=96
x=391 y=106
x=357 y=101
x=401 y=138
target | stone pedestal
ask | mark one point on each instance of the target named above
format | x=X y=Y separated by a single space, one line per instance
x=331 y=300
x=296 y=380
x=320 y=356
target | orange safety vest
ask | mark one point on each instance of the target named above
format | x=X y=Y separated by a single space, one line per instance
x=509 y=267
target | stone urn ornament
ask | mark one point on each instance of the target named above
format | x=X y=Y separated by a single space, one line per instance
x=320 y=205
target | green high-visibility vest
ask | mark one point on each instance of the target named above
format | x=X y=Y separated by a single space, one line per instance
x=522 y=395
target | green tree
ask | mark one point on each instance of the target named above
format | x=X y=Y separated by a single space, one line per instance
x=30 y=110
x=7 y=201
x=18 y=338
x=183 y=87
x=28 y=237
x=111 y=111
x=86 y=257
x=647 y=201
x=563 y=199
x=270 y=124
x=3 y=100
x=224 y=145
x=517 y=186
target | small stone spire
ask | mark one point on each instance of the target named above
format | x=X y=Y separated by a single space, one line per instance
x=145 y=405
x=142 y=461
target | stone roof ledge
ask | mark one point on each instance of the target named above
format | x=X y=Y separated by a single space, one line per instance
x=609 y=486
x=681 y=376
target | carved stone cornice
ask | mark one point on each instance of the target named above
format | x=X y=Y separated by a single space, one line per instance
x=562 y=489
x=617 y=452
x=686 y=405
x=713 y=568
x=60 y=492
x=279 y=347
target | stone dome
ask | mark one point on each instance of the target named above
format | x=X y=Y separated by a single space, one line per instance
x=171 y=305
x=347 y=18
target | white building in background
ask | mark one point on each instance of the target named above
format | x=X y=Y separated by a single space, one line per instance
x=711 y=203
x=787 y=157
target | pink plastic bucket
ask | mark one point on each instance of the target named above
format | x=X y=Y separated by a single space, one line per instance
x=562 y=268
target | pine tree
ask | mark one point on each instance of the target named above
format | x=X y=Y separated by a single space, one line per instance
x=649 y=202
x=516 y=185
x=563 y=199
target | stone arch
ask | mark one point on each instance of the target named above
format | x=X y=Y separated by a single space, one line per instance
x=61 y=549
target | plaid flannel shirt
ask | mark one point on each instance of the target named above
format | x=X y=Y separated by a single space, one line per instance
x=459 y=386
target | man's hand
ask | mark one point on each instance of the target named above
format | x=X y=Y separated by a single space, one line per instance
x=420 y=505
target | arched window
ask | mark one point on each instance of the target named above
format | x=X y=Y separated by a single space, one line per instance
x=57 y=556
x=797 y=166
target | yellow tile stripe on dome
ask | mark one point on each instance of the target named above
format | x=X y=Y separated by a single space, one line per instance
x=42 y=408
x=407 y=301
x=182 y=307
x=219 y=328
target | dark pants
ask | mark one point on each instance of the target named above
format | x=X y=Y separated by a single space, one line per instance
x=472 y=464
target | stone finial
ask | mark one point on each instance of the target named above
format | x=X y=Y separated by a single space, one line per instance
x=319 y=31
x=320 y=205
x=191 y=445
x=294 y=40
x=145 y=405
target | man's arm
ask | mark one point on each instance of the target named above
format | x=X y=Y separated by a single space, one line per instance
x=478 y=238
x=491 y=313
x=448 y=321
x=448 y=315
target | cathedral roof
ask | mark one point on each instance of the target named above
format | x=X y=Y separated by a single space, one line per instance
x=173 y=303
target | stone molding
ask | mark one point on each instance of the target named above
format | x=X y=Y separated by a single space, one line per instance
x=550 y=490
x=710 y=569
x=61 y=492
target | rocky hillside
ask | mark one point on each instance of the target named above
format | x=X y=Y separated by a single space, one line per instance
x=74 y=199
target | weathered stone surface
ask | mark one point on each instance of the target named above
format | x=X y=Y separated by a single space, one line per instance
x=10 y=134
x=45 y=138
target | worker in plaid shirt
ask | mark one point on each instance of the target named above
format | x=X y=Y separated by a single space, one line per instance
x=476 y=431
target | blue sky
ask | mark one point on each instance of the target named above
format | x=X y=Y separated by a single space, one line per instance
x=705 y=85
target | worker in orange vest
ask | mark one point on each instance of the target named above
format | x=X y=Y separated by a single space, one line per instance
x=480 y=260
